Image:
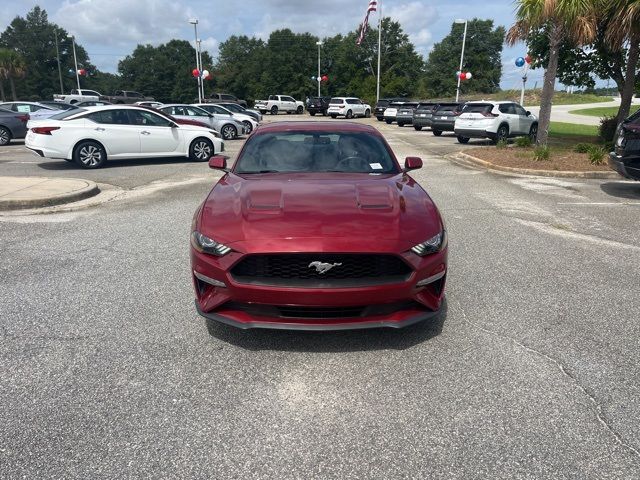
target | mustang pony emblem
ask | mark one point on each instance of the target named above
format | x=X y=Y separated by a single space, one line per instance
x=323 y=267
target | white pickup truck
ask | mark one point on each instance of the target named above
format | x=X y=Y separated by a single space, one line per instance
x=76 y=96
x=279 y=103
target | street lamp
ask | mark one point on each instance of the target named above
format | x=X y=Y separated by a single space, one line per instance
x=194 y=22
x=464 y=39
x=319 y=44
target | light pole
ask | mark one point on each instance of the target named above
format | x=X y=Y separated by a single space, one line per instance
x=319 y=44
x=194 y=22
x=201 y=68
x=75 y=61
x=464 y=39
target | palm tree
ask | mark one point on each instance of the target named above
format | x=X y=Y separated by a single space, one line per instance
x=624 y=28
x=4 y=70
x=562 y=19
x=17 y=69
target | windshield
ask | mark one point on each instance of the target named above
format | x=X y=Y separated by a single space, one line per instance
x=337 y=101
x=477 y=108
x=315 y=152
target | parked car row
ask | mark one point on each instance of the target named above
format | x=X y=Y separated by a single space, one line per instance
x=477 y=119
x=347 y=107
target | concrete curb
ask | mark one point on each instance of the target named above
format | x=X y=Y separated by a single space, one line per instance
x=467 y=160
x=75 y=190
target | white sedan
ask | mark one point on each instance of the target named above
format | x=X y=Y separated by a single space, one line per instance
x=91 y=136
x=248 y=121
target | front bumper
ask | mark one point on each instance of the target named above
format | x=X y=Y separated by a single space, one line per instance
x=628 y=167
x=224 y=298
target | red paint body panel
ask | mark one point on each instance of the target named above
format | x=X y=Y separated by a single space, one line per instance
x=319 y=212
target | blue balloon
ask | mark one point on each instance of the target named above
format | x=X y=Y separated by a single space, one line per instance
x=519 y=62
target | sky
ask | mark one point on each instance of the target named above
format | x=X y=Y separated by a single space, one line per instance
x=110 y=29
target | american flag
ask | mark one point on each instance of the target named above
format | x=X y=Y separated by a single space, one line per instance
x=373 y=7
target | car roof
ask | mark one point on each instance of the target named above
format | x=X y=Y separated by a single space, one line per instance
x=319 y=126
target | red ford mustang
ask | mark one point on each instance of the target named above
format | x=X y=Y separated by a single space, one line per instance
x=317 y=227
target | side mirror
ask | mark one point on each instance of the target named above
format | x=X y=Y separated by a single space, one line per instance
x=219 y=162
x=412 y=163
x=528 y=113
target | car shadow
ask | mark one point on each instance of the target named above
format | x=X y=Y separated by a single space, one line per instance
x=626 y=190
x=64 y=165
x=331 y=342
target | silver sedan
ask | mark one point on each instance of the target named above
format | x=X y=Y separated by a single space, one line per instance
x=228 y=127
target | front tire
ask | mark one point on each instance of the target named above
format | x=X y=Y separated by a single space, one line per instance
x=380 y=119
x=437 y=133
x=367 y=113
x=5 y=136
x=389 y=122
x=349 y=114
x=299 y=110
x=248 y=128
x=418 y=127
x=201 y=150
x=274 y=110
x=462 y=139
x=313 y=114
x=229 y=132
x=533 y=133
x=400 y=124
x=334 y=116
x=89 y=154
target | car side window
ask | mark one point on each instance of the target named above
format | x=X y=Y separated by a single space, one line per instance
x=519 y=110
x=110 y=117
x=134 y=94
x=148 y=118
x=504 y=108
x=228 y=97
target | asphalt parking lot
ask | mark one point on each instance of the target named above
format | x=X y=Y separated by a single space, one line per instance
x=106 y=370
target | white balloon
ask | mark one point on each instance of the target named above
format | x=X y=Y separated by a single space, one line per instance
x=205 y=73
x=468 y=75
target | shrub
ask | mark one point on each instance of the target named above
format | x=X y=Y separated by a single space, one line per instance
x=607 y=129
x=502 y=144
x=523 y=142
x=582 y=147
x=541 y=153
x=597 y=155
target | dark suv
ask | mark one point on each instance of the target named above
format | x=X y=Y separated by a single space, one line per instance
x=625 y=159
x=318 y=105
x=422 y=115
x=224 y=97
x=444 y=117
x=405 y=113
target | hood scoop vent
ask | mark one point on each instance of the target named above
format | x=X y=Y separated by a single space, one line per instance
x=374 y=197
x=265 y=201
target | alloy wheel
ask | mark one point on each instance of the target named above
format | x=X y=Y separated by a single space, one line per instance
x=90 y=155
x=228 y=132
x=5 y=136
x=202 y=150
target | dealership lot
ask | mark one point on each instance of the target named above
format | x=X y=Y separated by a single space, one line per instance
x=108 y=371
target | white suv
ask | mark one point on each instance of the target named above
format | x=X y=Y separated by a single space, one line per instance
x=348 y=107
x=495 y=120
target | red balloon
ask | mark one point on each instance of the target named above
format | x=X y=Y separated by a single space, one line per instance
x=324 y=78
x=527 y=59
x=463 y=76
x=195 y=72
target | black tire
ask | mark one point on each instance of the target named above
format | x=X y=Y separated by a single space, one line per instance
x=334 y=116
x=73 y=102
x=462 y=139
x=299 y=110
x=502 y=133
x=437 y=133
x=389 y=122
x=89 y=154
x=380 y=119
x=533 y=133
x=229 y=131
x=201 y=150
x=349 y=114
x=367 y=113
x=274 y=110
x=5 y=136
x=248 y=128
x=418 y=127
x=313 y=114
x=263 y=112
x=400 y=124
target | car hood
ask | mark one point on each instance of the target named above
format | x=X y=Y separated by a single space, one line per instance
x=319 y=211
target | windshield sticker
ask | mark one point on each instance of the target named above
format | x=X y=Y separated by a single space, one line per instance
x=375 y=166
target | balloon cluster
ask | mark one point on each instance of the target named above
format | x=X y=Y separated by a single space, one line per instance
x=463 y=75
x=520 y=61
x=81 y=71
x=204 y=74
x=322 y=78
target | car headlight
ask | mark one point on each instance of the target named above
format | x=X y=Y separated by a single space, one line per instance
x=205 y=244
x=215 y=134
x=433 y=245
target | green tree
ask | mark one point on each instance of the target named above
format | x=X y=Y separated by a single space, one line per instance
x=574 y=20
x=163 y=72
x=33 y=38
x=239 y=66
x=482 y=57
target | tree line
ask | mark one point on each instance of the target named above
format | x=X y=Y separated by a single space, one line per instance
x=253 y=68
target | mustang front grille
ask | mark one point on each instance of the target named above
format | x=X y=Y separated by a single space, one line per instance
x=321 y=270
